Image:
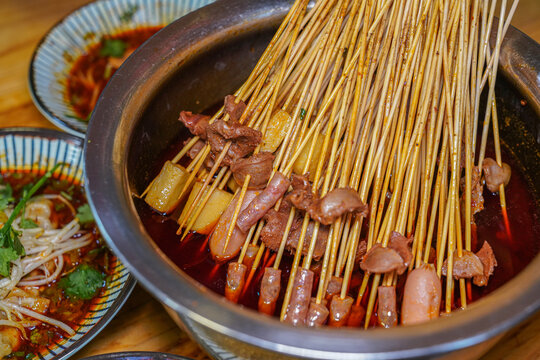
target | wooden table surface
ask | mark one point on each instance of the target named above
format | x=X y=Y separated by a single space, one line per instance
x=142 y=324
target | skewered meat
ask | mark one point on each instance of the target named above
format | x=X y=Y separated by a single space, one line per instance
x=317 y=313
x=194 y=151
x=234 y=109
x=465 y=267
x=236 y=277
x=380 y=260
x=270 y=286
x=495 y=175
x=360 y=250
x=251 y=254
x=217 y=239
x=400 y=244
x=300 y=298
x=336 y=203
x=387 y=311
x=197 y=124
x=263 y=202
x=258 y=166
x=243 y=139
x=421 y=296
x=301 y=196
x=334 y=287
x=328 y=208
x=340 y=309
x=477 y=197
x=488 y=260
x=357 y=316
x=276 y=223
x=320 y=245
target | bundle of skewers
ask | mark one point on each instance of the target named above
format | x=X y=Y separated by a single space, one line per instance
x=355 y=145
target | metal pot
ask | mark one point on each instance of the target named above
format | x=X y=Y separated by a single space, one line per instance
x=192 y=64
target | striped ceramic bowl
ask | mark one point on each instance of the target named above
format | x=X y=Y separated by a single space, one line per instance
x=71 y=37
x=37 y=150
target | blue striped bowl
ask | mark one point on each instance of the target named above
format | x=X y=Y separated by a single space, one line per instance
x=70 y=38
x=37 y=150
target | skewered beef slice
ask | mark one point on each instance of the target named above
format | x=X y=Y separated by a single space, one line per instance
x=487 y=257
x=263 y=202
x=477 y=197
x=197 y=124
x=477 y=189
x=270 y=286
x=235 y=110
x=360 y=250
x=328 y=208
x=258 y=166
x=320 y=245
x=300 y=298
x=495 y=175
x=194 y=151
x=387 y=310
x=336 y=203
x=400 y=244
x=317 y=313
x=465 y=267
x=236 y=277
x=380 y=260
x=333 y=287
x=301 y=196
x=276 y=222
x=243 y=139
x=340 y=309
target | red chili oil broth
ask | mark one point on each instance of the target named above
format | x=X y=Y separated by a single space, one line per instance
x=194 y=258
x=69 y=311
x=79 y=90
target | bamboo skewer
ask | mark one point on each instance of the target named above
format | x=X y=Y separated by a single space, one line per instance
x=389 y=90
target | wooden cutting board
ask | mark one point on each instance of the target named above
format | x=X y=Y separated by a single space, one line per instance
x=143 y=324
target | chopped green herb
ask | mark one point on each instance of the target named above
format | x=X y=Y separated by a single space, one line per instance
x=302 y=113
x=128 y=14
x=6 y=196
x=29 y=356
x=7 y=255
x=84 y=214
x=107 y=72
x=113 y=47
x=66 y=195
x=59 y=206
x=10 y=245
x=28 y=224
x=83 y=283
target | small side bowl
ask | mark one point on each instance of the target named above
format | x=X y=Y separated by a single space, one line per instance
x=36 y=151
x=72 y=35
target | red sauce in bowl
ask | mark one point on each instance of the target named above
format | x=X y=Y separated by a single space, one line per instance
x=92 y=70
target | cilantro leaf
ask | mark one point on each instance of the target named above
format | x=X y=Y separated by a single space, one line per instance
x=127 y=15
x=113 y=47
x=84 y=214
x=28 y=224
x=83 y=283
x=6 y=196
x=7 y=255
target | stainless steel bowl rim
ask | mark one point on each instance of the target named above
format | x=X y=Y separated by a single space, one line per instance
x=109 y=196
